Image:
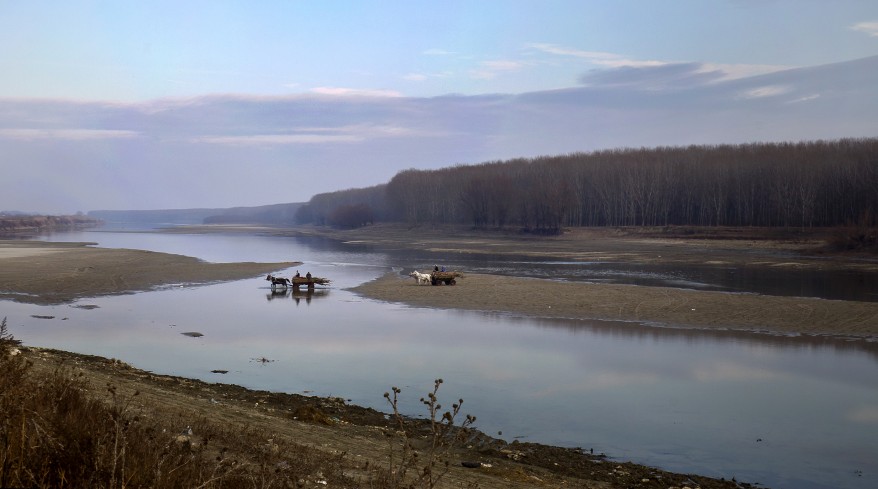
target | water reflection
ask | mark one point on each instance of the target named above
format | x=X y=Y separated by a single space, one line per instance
x=695 y=337
x=298 y=295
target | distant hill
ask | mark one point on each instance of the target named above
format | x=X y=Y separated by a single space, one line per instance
x=275 y=214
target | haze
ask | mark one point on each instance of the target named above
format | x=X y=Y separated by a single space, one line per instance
x=157 y=105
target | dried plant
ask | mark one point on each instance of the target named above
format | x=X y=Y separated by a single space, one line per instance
x=7 y=341
x=430 y=457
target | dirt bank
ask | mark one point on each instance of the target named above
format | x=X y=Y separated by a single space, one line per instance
x=50 y=273
x=357 y=436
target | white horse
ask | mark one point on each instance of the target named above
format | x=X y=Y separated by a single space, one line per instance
x=421 y=278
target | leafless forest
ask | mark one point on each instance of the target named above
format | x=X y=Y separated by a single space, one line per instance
x=821 y=183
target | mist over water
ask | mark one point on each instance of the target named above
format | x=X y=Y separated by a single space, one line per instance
x=787 y=412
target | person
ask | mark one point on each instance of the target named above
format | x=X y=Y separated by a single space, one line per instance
x=443 y=268
x=297 y=274
x=308 y=275
x=435 y=268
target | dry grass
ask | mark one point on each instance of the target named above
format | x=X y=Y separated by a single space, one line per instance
x=55 y=432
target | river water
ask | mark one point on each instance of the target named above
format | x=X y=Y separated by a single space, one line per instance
x=782 y=411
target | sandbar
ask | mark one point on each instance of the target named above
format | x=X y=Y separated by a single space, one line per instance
x=658 y=306
x=51 y=273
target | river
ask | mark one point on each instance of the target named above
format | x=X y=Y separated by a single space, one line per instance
x=782 y=411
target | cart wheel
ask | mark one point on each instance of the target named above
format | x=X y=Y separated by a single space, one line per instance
x=453 y=282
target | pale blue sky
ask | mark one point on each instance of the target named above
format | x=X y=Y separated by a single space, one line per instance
x=129 y=51
x=142 y=92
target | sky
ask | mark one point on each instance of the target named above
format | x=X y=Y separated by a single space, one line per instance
x=169 y=104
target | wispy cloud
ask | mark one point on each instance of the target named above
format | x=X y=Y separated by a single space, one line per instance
x=736 y=71
x=275 y=139
x=705 y=71
x=490 y=69
x=677 y=76
x=806 y=98
x=766 y=91
x=868 y=28
x=437 y=52
x=313 y=135
x=66 y=134
x=600 y=58
x=355 y=92
x=419 y=77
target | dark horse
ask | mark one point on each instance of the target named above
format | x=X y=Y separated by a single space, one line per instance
x=275 y=281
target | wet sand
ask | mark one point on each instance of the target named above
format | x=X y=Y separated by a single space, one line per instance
x=52 y=273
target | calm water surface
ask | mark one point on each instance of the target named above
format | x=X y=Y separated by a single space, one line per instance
x=787 y=412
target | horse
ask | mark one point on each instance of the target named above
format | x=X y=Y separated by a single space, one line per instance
x=421 y=278
x=275 y=281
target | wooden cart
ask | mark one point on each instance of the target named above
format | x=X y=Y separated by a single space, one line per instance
x=444 y=278
x=309 y=282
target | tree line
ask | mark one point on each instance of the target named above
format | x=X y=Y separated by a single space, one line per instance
x=808 y=184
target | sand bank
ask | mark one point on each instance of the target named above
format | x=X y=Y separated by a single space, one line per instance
x=656 y=305
x=49 y=273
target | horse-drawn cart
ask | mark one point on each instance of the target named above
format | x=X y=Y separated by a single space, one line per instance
x=444 y=278
x=297 y=282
